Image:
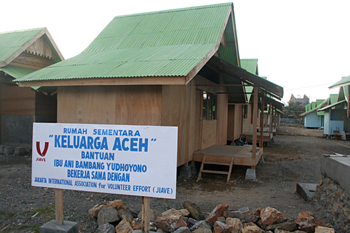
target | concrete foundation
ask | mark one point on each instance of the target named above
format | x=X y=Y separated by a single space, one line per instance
x=338 y=169
x=306 y=190
x=250 y=174
x=19 y=151
x=16 y=128
x=52 y=227
x=8 y=150
x=2 y=147
x=185 y=171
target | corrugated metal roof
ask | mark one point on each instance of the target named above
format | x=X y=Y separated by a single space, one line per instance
x=332 y=105
x=343 y=81
x=16 y=71
x=164 y=43
x=333 y=98
x=11 y=41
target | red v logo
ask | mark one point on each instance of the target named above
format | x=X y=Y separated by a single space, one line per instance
x=45 y=148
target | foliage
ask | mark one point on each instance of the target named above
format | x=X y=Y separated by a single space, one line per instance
x=293 y=110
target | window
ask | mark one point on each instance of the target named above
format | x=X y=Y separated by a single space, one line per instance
x=209 y=106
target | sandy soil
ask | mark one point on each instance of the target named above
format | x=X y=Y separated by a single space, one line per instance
x=291 y=159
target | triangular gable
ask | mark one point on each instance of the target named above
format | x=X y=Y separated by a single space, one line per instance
x=250 y=65
x=168 y=46
x=16 y=47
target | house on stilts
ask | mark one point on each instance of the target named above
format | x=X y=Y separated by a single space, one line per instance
x=176 y=67
x=21 y=53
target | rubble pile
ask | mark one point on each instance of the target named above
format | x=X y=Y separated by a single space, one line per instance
x=115 y=217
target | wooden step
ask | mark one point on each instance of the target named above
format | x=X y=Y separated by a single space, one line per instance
x=214 y=172
x=228 y=173
x=216 y=163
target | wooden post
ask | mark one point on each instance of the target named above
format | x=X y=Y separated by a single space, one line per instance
x=255 y=120
x=270 y=128
x=261 y=140
x=59 y=206
x=145 y=214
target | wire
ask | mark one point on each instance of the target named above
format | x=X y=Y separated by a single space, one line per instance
x=308 y=87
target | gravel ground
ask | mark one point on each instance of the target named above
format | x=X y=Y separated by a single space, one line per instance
x=290 y=160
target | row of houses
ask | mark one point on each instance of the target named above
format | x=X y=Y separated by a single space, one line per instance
x=331 y=114
x=176 y=67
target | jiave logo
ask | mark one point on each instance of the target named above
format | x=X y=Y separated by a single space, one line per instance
x=42 y=153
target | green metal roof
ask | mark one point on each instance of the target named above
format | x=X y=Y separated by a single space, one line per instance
x=333 y=98
x=332 y=105
x=343 y=81
x=11 y=41
x=250 y=65
x=163 y=43
x=16 y=71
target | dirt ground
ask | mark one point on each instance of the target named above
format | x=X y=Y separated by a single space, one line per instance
x=294 y=157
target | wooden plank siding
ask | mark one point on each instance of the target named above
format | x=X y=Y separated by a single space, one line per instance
x=17 y=101
x=128 y=105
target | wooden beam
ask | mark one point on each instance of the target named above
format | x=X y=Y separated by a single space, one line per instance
x=262 y=108
x=145 y=214
x=59 y=206
x=348 y=101
x=226 y=85
x=245 y=76
x=108 y=81
x=255 y=120
x=270 y=128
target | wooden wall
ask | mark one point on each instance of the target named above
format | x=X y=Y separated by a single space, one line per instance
x=246 y=127
x=128 y=105
x=209 y=133
x=238 y=122
x=222 y=116
x=45 y=105
x=179 y=109
x=17 y=100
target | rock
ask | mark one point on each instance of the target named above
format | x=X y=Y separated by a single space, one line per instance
x=200 y=224
x=19 y=151
x=153 y=215
x=124 y=227
x=170 y=223
x=202 y=230
x=194 y=209
x=252 y=229
x=107 y=215
x=182 y=230
x=220 y=227
x=237 y=226
x=221 y=219
x=321 y=229
x=125 y=214
x=270 y=216
x=277 y=230
x=117 y=204
x=218 y=211
x=136 y=224
x=246 y=215
x=106 y=228
x=307 y=221
x=287 y=226
x=94 y=210
x=172 y=211
x=191 y=222
x=9 y=150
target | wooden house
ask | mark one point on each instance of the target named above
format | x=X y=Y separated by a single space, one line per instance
x=21 y=53
x=337 y=113
x=167 y=68
x=312 y=117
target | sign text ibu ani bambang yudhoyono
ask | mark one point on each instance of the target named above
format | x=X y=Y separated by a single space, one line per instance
x=119 y=159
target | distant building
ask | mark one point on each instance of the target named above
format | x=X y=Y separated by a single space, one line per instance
x=304 y=101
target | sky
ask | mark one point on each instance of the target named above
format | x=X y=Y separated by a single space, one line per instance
x=301 y=45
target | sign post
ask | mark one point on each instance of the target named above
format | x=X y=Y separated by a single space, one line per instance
x=117 y=159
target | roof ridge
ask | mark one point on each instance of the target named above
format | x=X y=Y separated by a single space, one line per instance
x=175 y=10
x=22 y=30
